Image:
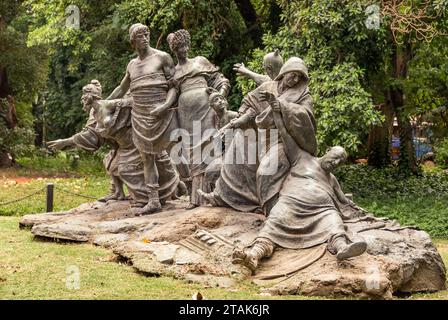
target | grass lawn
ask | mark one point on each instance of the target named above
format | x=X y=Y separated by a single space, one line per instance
x=35 y=269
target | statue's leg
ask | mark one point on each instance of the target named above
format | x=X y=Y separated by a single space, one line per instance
x=152 y=184
x=116 y=190
x=197 y=184
x=119 y=191
x=250 y=257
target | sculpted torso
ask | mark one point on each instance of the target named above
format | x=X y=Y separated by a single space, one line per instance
x=153 y=63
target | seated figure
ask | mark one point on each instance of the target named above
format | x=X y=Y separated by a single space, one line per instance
x=309 y=208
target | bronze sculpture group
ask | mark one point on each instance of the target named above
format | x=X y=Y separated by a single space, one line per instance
x=269 y=165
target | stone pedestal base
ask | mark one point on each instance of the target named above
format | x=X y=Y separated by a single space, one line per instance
x=196 y=245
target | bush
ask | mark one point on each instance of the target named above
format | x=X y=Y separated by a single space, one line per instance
x=420 y=201
x=441 y=153
x=71 y=163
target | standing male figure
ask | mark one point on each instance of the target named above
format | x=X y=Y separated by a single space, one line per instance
x=149 y=79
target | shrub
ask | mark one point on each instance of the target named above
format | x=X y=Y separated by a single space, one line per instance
x=441 y=153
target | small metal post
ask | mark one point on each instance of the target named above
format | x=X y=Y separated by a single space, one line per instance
x=75 y=161
x=50 y=196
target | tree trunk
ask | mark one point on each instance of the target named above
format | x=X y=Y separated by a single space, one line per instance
x=379 y=142
x=400 y=59
x=250 y=18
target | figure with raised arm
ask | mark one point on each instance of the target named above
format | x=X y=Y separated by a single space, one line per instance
x=253 y=186
x=272 y=63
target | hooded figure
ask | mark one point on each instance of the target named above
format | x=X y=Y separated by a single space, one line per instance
x=254 y=186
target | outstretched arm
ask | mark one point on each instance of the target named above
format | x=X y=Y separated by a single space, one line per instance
x=338 y=191
x=61 y=144
x=243 y=71
x=121 y=90
x=342 y=198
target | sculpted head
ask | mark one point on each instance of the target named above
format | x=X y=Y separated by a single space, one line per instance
x=334 y=157
x=91 y=93
x=179 y=42
x=272 y=63
x=139 y=36
x=216 y=100
x=294 y=71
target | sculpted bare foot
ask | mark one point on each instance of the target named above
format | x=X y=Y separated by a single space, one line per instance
x=150 y=207
x=112 y=196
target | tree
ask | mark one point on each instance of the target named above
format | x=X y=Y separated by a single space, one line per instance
x=218 y=31
x=340 y=52
x=409 y=25
x=22 y=74
x=376 y=45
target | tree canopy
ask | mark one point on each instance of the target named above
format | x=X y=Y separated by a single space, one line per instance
x=369 y=62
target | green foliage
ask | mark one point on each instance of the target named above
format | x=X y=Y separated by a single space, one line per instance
x=441 y=153
x=17 y=142
x=26 y=68
x=340 y=52
x=63 y=163
x=216 y=27
x=412 y=200
x=343 y=108
x=426 y=87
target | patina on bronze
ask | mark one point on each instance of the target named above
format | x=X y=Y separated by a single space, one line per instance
x=193 y=76
x=149 y=79
x=272 y=63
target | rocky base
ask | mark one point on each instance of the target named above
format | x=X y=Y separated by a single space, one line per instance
x=196 y=245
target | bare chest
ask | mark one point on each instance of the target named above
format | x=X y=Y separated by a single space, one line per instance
x=149 y=65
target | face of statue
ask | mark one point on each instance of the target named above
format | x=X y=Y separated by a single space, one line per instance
x=268 y=69
x=182 y=51
x=333 y=159
x=141 y=40
x=219 y=102
x=290 y=79
x=86 y=101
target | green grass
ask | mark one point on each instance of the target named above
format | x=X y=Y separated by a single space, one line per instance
x=16 y=187
x=35 y=269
